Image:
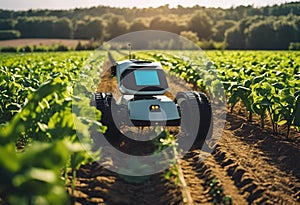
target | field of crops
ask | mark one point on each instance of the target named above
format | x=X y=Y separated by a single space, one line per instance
x=255 y=161
x=267 y=83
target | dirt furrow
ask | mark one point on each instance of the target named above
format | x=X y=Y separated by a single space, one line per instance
x=195 y=185
x=96 y=185
x=257 y=177
x=200 y=169
x=248 y=173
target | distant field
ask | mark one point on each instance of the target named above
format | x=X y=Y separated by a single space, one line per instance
x=41 y=42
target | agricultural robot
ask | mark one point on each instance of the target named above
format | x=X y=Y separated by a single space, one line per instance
x=143 y=85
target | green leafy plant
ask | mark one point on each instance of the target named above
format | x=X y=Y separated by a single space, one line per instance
x=216 y=191
x=38 y=99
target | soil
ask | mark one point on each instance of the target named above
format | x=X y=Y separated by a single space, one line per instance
x=41 y=42
x=252 y=165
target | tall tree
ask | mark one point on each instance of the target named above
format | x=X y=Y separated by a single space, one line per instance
x=92 y=28
x=95 y=28
x=202 y=25
x=235 y=38
x=192 y=36
x=6 y=24
x=166 y=24
x=115 y=26
x=79 y=31
x=62 y=28
x=221 y=28
x=285 y=34
x=36 y=27
x=261 y=36
x=138 y=25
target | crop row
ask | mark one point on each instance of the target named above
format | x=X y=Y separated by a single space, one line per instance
x=38 y=137
x=268 y=84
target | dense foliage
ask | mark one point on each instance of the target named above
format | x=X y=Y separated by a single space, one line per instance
x=9 y=34
x=266 y=83
x=242 y=27
x=38 y=137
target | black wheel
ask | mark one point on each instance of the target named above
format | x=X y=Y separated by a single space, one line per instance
x=104 y=102
x=107 y=105
x=196 y=116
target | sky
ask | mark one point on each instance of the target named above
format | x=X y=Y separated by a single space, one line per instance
x=69 y=4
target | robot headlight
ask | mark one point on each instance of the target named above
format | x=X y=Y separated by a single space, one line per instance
x=154 y=108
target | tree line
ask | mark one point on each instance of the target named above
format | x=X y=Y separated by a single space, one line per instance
x=242 y=27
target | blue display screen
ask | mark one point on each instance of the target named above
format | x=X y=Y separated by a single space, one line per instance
x=146 y=78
